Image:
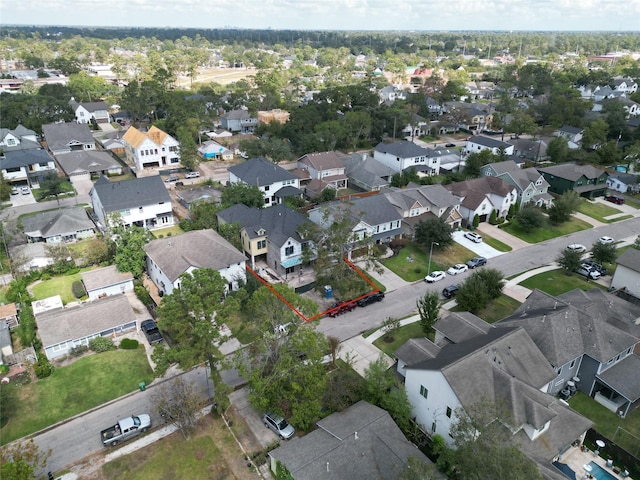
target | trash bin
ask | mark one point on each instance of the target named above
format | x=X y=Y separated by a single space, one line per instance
x=328 y=291
x=142 y=386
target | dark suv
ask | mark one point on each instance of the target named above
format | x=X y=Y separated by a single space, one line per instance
x=450 y=291
x=476 y=262
x=602 y=270
x=374 y=297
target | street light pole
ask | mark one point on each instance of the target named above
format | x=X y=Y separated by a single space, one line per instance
x=431 y=253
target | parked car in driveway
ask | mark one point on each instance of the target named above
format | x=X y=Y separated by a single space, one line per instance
x=14 y=190
x=476 y=262
x=450 y=291
x=25 y=190
x=192 y=175
x=588 y=271
x=435 y=276
x=151 y=331
x=278 y=425
x=576 y=247
x=473 y=236
x=601 y=269
x=614 y=199
x=457 y=268
x=171 y=179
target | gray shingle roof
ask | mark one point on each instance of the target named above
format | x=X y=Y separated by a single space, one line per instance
x=60 y=135
x=260 y=172
x=57 y=222
x=198 y=248
x=322 y=160
x=572 y=171
x=359 y=443
x=488 y=142
x=458 y=327
x=402 y=149
x=630 y=258
x=24 y=158
x=135 y=193
x=624 y=377
x=81 y=161
x=367 y=170
x=435 y=195
x=626 y=178
x=416 y=350
x=236 y=115
x=84 y=320
x=104 y=277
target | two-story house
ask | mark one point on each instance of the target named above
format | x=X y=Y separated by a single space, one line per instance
x=152 y=149
x=274 y=182
x=271 y=235
x=573 y=135
x=26 y=167
x=85 y=112
x=68 y=137
x=626 y=85
x=578 y=335
x=627 y=274
x=239 y=121
x=420 y=203
x=20 y=138
x=144 y=202
x=366 y=173
x=478 y=143
x=401 y=155
x=587 y=180
x=481 y=196
x=529 y=182
x=197 y=249
x=326 y=170
x=373 y=219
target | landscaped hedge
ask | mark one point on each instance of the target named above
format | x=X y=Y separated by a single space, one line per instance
x=129 y=344
x=78 y=289
x=101 y=344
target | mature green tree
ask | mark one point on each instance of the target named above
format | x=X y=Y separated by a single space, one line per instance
x=130 y=255
x=22 y=460
x=492 y=279
x=563 y=207
x=434 y=230
x=5 y=189
x=604 y=252
x=87 y=88
x=429 y=310
x=98 y=251
x=51 y=186
x=558 y=150
x=203 y=215
x=530 y=218
x=595 y=134
x=189 y=157
x=522 y=122
x=569 y=260
x=234 y=193
x=476 y=160
x=484 y=447
x=416 y=469
x=187 y=315
x=472 y=295
x=231 y=233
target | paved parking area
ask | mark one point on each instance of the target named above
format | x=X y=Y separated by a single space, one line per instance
x=481 y=249
x=239 y=400
x=21 y=199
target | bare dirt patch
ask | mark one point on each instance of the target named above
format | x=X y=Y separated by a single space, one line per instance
x=223 y=76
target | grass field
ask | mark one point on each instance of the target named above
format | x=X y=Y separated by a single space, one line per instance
x=501 y=307
x=412 y=262
x=168 y=232
x=597 y=210
x=389 y=343
x=557 y=282
x=497 y=244
x=86 y=383
x=58 y=286
x=548 y=231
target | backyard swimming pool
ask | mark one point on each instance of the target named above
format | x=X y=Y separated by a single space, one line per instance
x=600 y=473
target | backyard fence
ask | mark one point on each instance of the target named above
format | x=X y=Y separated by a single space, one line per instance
x=620 y=456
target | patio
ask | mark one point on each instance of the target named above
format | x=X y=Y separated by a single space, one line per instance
x=576 y=459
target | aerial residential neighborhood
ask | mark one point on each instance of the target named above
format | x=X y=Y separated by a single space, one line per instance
x=410 y=258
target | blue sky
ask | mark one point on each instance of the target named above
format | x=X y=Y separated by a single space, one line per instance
x=431 y=15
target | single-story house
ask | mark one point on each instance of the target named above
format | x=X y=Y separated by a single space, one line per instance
x=57 y=226
x=106 y=281
x=87 y=164
x=9 y=315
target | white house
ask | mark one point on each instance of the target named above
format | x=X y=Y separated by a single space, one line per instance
x=402 y=155
x=623 y=182
x=481 y=196
x=198 y=249
x=210 y=150
x=627 y=274
x=26 y=167
x=152 y=149
x=103 y=282
x=273 y=181
x=478 y=143
x=85 y=112
x=144 y=202
x=20 y=138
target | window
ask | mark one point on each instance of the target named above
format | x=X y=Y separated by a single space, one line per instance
x=11 y=141
x=449 y=412
x=266 y=188
x=288 y=250
x=262 y=244
x=423 y=391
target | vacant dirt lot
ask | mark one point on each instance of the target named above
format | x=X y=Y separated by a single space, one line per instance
x=223 y=76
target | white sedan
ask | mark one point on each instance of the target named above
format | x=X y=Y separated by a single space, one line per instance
x=434 y=276
x=457 y=268
x=606 y=240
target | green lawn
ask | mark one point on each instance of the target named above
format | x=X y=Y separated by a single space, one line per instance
x=557 y=282
x=58 y=286
x=76 y=388
x=597 y=210
x=412 y=262
x=548 y=231
x=167 y=232
x=607 y=422
x=497 y=244
x=390 y=343
x=498 y=309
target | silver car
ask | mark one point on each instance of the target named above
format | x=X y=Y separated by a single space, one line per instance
x=278 y=425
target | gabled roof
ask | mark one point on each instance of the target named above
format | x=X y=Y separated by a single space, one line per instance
x=60 y=136
x=570 y=130
x=260 y=172
x=416 y=350
x=89 y=106
x=197 y=248
x=522 y=177
x=402 y=149
x=572 y=171
x=24 y=158
x=236 y=115
x=563 y=331
x=135 y=137
x=461 y=326
x=57 y=222
x=279 y=222
x=134 y=193
x=104 y=277
x=621 y=377
x=474 y=191
x=625 y=178
x=322 y=160
x=488 y=142
x=630 y=258
x=80 y=161
x=367 y=170
x=435 y=195
x=359 y=443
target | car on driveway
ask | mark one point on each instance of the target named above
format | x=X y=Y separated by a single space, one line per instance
x=278 y=425
x=614 y=199
x=606 y=240
x=151 y=331
x=473 y=236
x=450 y=291
x=14 y=190
x=435 y=276
x=25 y=190
x=593 y=264
x=576 y=247
x=374 y=297
x=588 y=271
x=476 y=262
x=171 y=179
x=192 y=175
x=457 y=268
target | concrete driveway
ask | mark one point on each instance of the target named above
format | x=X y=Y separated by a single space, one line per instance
x=360 y=353
x=481 y=249
x=82 y=185
x=240 y=401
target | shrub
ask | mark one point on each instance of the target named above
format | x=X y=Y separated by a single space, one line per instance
x=129 y=344
x=78 y=289
x=79 y=350
x=42 y=368
x=476 y=220
x=101 y=344
x=142 y=293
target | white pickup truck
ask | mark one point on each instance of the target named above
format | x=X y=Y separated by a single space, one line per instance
x=125 y=429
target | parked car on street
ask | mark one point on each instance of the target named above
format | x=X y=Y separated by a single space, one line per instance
x=476 y=262
x=473 y=236
x=278 y=425
x=457 y=268
x=576 y=247
x=450 y=291
x=614 y=199
x=588 y=271
x=341 y=307
x=434 y=276
x=374 y=297
x=192 y=175
x=606 y=240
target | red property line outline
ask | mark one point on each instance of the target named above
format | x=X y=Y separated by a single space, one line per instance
x=322 y=314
